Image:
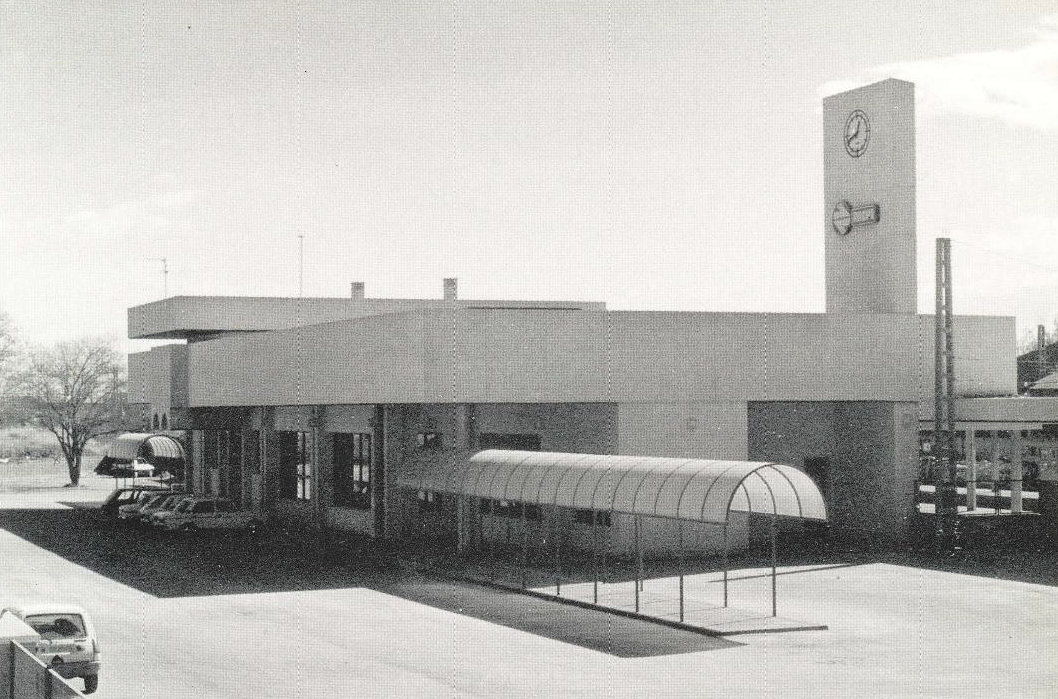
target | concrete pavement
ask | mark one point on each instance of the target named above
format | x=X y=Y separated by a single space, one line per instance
x=200 y=617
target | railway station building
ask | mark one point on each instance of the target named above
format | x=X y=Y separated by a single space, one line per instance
x=327 y=412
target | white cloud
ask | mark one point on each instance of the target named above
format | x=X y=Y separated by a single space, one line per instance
x=1016 y=86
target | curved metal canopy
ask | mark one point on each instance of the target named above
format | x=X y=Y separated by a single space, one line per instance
x=147 y=445
x=690 y=489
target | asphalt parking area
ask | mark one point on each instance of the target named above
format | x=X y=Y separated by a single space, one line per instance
x=232 y=616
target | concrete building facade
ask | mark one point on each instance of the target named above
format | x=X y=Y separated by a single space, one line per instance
x=307 y=410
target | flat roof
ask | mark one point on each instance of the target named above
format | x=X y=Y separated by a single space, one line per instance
x=190 y=317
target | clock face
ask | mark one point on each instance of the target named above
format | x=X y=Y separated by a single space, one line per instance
x=841 y=218
x=857 y=133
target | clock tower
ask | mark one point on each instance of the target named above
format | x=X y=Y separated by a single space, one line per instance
x=869 y=207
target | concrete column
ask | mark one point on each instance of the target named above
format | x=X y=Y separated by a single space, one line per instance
x=461 y=528
x=462 y=439
x=1016 y=471
x=995 y=470
x=323 y=467
x=971 y=475
x=194 y=479
x=269 y=460
x=387 y=428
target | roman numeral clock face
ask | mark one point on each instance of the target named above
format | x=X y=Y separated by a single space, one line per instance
x=857 y=133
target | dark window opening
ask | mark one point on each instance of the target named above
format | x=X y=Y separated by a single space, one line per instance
x=430 y=501
x=601 y=517
x=518 y=442
x=509 y=508
x=428 y=441
x=295 y=465
x=352 y=470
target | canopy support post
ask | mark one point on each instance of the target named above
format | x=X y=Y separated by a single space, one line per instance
x=679 y=561
x=461 y=528
x=479 y=529
x=724 y=559
x=995 y=473
x=971 y=480
x=639 y=558
x=594 y=558
x=635 y=527
x=490 y=543
x=606 y=549
x=554 y=541
x=525 y=548
x=774 y=556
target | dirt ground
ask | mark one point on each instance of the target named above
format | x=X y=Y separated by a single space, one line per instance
x=234 y=616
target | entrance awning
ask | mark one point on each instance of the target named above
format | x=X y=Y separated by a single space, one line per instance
x=146 y=445
x=688 y=489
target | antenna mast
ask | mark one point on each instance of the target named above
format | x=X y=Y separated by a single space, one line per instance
x=165 y=275
x=301 y=265
x=945 y=492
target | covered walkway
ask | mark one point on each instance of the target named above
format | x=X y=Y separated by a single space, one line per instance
x=163 y=451
x=681 y=490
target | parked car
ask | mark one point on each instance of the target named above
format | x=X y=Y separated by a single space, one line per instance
x=127 y=496
x=205 y=513
x=986 y=474
x=137 y=468
x=132 y=512
x=168 y=501
x=68 y=643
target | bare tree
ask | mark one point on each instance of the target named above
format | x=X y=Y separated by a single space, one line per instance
x=8 y=352
x=76 y=391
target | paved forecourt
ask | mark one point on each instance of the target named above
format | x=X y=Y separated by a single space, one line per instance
x=217 y=618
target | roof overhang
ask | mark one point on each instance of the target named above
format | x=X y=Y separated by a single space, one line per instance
x=1000 y=413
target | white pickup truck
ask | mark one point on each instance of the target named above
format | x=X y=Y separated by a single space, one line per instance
x=67 y=643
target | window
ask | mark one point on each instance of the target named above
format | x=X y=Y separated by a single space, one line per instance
x=222 y=449
x=511 y=509
x=601 y=517
x=165 y=422
x=428 y=441
x=430 y=501
x=304 y=467
x=295 y=465
x=352 y=470
x=53 y=626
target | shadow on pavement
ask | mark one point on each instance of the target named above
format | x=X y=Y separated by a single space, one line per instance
x=211 y=563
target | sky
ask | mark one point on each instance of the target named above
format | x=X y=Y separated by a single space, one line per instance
x=652 y=155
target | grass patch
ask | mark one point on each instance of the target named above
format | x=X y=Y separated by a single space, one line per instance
x=24 y=443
